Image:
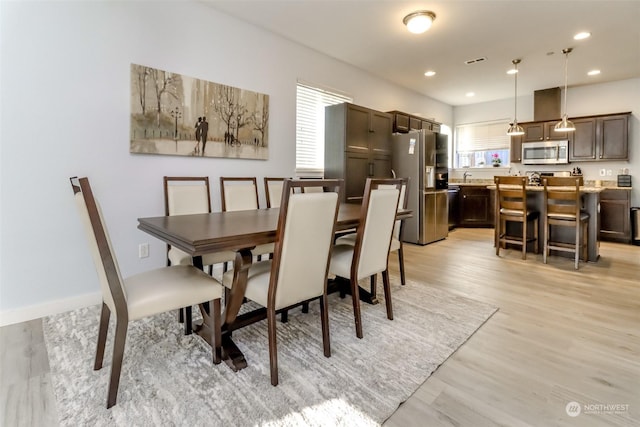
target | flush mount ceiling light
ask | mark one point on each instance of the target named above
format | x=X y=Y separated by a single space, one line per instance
x=593 y=73
x=420 y=21
x=515 y=128
x=565 y=125
x=430 y=73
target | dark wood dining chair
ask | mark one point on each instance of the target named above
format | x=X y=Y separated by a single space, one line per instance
x=299 y=268
x=370 y=254
x=142 y=295
x=240 y=194
x=273 y=191
x=185 y=195
x=396 y=238
x=563 y=204
x=511 y=206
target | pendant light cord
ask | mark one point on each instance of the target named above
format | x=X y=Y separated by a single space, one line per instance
x=566 y=73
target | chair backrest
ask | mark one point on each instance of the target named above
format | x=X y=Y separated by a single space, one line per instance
x=186 y=195
x=238 y=193
x=113 y=293
x=402 y=203
x=304 y=238
x=562 y=196
x=273 y=191
x=377 y=220
x=512 y=198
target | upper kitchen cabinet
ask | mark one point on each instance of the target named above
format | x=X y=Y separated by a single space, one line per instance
x=601 y=138
x=404 y=122
x=357 y=146
x=364 y=129
x=542 y=131
x=515 y=153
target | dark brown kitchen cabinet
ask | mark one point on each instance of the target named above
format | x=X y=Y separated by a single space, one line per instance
x=405 y=122
x=475 y=207
x=601 y=138
x=615 y=217
x=515 y=153
x=357 y=146
x=542 y=131
x=612 y=137
x=453 y=193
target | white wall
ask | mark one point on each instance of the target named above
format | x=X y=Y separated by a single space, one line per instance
x=604 y=98
x=64 y=77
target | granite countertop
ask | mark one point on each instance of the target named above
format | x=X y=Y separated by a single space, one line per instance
x=589 y=186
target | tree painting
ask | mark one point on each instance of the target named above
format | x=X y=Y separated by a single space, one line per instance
x=173 y=114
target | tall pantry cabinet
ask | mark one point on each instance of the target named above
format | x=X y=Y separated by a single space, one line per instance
x=357 y=145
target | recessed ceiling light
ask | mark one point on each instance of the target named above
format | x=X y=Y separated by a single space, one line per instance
x=470 y=94
x=581 y=36
x=512 y=71
x=430 y=73
x=593 y=73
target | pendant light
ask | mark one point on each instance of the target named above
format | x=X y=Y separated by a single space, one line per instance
x=565 y=125
x=515 y=129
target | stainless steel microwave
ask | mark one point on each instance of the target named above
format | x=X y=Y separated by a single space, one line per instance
x=545 y=153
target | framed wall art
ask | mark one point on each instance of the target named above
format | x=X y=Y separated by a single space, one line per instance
x=177 y=115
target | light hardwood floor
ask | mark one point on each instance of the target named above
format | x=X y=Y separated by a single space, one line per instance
x=559 y=336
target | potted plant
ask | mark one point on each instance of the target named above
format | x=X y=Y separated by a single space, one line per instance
x=495 y=159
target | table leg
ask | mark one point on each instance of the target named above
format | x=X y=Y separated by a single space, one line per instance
x=231 y=355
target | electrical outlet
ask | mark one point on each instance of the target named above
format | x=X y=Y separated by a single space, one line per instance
x=608 y=172
x=603 y=172
x=143 y=250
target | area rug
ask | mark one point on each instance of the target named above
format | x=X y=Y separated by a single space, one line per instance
x=168 y=378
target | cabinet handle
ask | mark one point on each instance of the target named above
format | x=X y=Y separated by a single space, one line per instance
x=370 y=169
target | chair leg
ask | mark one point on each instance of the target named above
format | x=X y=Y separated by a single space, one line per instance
x=324 y=318
x=577 y=248
x=545 y=249
x=585 y=241
x=497 y=235
x=187 y=321
x=401 y=264
x=387 y=294
x=116 y=363
x=105 y=314
x=524 y=238
x=273 y=355
x=535 y=236
x=216 y=333
x=355 y=297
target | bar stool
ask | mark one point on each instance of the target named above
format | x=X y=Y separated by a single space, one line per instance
x=562 y=206
x=511 y=205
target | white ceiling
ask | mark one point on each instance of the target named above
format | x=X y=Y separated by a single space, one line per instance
x=369 y=34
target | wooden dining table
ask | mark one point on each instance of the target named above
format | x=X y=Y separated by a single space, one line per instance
x=240 y=231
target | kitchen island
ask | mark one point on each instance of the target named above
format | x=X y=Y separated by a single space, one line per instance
x=590 y=204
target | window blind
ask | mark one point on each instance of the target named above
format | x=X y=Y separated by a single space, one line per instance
x=482 y=137
x=310 y=103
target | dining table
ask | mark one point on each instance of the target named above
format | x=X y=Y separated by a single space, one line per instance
x=239 y=231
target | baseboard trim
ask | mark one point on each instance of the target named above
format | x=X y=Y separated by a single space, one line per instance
x=23 y=314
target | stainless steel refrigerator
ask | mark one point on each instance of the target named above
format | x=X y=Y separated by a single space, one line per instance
x=422 y=156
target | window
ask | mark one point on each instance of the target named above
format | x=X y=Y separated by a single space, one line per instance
x=310 y=103
x=480 y=144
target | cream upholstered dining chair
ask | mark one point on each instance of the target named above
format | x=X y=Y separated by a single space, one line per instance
x=563 y=204
x=142 y=295
x=190 y=195
x=370 y=254
x=273 y=191
x=396 y=238
x=298 y=271
x=511 y=206
x=241 y=194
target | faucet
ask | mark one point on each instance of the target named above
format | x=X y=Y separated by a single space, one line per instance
x=465 y=175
